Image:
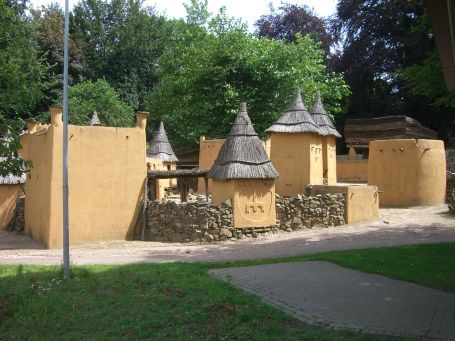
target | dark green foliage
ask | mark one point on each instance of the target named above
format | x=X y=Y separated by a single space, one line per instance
x=10 y=161
x=380 y=39
x=21 y=75
x=86 y=97
x=121 y=41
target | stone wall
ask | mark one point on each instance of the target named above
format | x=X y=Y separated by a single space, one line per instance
x=306 y=212
x=18 y=222
x=204 y=222
x=450 y=195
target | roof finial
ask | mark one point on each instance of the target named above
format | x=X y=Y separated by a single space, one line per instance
x=95 y=120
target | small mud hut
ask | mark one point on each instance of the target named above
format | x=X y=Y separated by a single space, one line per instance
x=329 y=135
x=160 y=156
x=243 y=174
x=296 y=149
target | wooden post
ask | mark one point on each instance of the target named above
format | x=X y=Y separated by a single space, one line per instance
x=183 y=184
x=144 y=210
x=206 y=182
x=152 y=189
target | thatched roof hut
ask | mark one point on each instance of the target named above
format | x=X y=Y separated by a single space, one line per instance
x=160 y=148
x=242 y=155
x=296 y=119
x=320 y=117
x=360 y=132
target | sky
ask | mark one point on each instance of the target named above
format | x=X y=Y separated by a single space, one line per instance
x=248 y=10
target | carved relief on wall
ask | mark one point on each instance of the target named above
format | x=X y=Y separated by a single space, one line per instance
x=254 y=200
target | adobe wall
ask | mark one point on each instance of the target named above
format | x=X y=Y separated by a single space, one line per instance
x=361 y=202
x=298 y=160
x=106 y=181
x=8 y=199
x=352 y=170
x=203 y=222
x=408 y=172
x=329 y=159
x=38 y=183
x=254 y=202
x=162 y=184
x=208 y=152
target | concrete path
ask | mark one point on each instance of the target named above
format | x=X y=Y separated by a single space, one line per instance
x=395 y=227
x=324 y=293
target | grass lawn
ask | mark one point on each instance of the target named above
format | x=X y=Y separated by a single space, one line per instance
x=180 y=301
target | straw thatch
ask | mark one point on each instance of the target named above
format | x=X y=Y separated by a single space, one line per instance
x=320 y=117
x=242 y=155
x=160 y=148
x=359 y=132
x=11 y=179
x=296 y=120
x=95 y=121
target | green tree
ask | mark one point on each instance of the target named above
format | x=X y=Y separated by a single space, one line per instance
x=121 y=41
x=21 y=81
x=380 y=39
x=210 y=67
x=86 y=97
x=22 y=73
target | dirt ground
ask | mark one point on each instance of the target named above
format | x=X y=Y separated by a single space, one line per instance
x=395 y=227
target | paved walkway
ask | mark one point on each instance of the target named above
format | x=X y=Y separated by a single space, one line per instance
x=323 y=293
x=395 y=227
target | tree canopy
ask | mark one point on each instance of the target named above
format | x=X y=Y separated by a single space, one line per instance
x=22 y=71
x=87 y=96
x=192 y=73
x=212 y=66
x=291 y=19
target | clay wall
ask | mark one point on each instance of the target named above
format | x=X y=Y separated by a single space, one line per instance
x=408 y=172
x=162 y=184
x=298 y=160
x=106 y=181
x=8 y=199
x=352 y=170
x=208 y=152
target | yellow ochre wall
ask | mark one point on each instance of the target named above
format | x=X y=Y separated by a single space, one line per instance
x=253 y=200
x=8 y=198
x=362 y=202
x=329 y=159
x=408 y=172
x=208 y=152
x=352 y=170
x=106 y=180
x=161 y=184
x=298 y=160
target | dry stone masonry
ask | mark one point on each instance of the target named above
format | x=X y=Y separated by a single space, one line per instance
x=306 y=212
x=205 y=222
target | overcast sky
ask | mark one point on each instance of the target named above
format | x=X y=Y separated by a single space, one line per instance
x=248 y=10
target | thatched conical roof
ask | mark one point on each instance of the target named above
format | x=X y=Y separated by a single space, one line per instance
x=242 y=155
x=160 y=148
x=296 y=119
x=95 y=121
x=321 y=119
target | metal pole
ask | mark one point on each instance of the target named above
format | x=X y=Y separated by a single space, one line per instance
x=66 y=251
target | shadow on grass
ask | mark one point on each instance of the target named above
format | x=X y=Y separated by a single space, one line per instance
x=158 y=301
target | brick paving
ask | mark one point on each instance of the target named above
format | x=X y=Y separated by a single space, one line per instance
x=324 y=293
